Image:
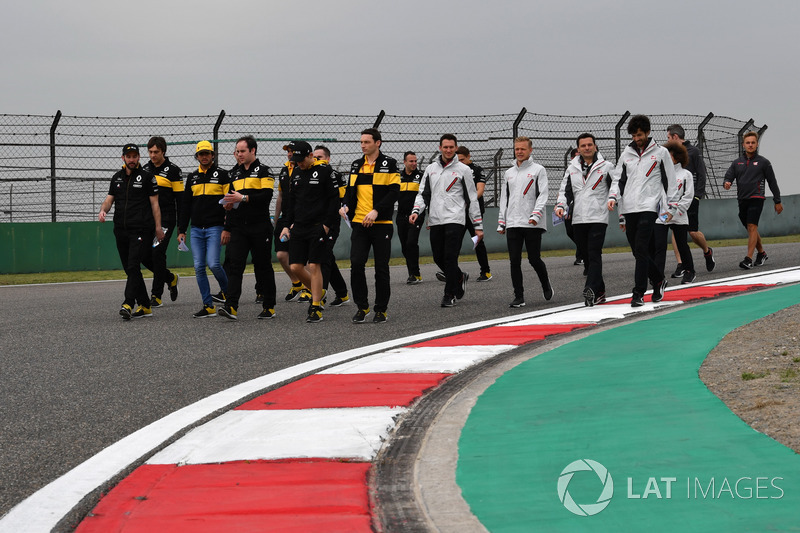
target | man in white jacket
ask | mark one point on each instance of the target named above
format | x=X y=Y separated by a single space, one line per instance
x=646 y=188
x=584 y=194
x=523 y=196
x=447 y=190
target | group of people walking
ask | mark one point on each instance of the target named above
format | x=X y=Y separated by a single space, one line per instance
x=653 y=188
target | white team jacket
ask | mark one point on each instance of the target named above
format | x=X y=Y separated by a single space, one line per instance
x=685 y=182
x=591 y=192
x=448 y=192
x=646 y=181
x=523 y=196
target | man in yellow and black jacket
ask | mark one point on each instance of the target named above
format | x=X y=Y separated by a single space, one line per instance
x=369 y=204
x=205 y=188
x=408 y=233
x=248 y=229
x=282 y=248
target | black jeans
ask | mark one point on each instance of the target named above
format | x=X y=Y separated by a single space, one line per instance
x=480 y=250
x=590 y=239
x=408 y=234
x=330 y=270
x=379 y=238
x=161 y=274
x=532 y=239
x=640 y=229
x=255 y=239
x=445 y=245
x=681 y=233
x=135 y=248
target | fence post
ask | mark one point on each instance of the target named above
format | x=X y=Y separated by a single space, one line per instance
x=740 y=135
x=567 y=159
x=53 y=165
x=761 y=132
x=517 y=122
x=617 y=135
x=379 y=119
x=701 y=135
x=497 y=176
x=215 y=133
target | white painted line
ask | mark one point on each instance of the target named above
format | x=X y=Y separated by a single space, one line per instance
x=591 y=315
x=426 y=359
x=351 y=433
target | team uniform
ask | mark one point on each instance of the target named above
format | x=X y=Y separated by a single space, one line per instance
x=134 y=229
x=480 y=249
x=584 y=192
x=697 y=168
x=406 y=231
x=523 y=196
x=447 y=191
x=371 y=186
x=170 y=189
x=679 y=225
x=749 y=174
x=201 y=207
x=646 y=189
x=330 y=270
x=251 y=232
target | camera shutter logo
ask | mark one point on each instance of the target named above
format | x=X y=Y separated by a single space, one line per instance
x=585 y=509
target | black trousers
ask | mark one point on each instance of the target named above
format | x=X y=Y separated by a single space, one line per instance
x=256 y=240
x=532 y=239
x=445 y=245
x=640 y=230
x=571 y=234
x=480 y=250
x=135 y=248
x=590 y=239
x=379 y=238
x=408 y=234
x=330 y=270
x=161 y=274
x=661 y=237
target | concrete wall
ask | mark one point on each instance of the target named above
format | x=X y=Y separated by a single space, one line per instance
x=66 y=246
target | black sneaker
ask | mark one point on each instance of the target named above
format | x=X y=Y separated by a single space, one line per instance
x=448 y=300
x=761 y=258
x=142 y=312
x=305 y=296
x=173 y=287
x=361 y=316
x=314 y=314
x=688 y=277
x=380 y=317
x=219 y=297
x=324 y=298
x=126 y=312
x=259 y=298
x=266 y=313
x=637 y=300
x=518 y=301
x=588 y=297
x=679 y=271
x=709 y=257
x=228 y=312
x=547 y=290
x=294 y=293
x=600 y=298
x=340 y=300
x=746 y=263
x=155 y=301
x=658 y=291
x=206 y=311
x=485 y=276
x=441 y=277
x=413 y=280
x=463 y=289
x=578 y=261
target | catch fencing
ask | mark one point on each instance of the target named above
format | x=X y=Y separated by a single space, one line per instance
x=58 y=168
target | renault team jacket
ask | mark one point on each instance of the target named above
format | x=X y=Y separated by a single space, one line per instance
x=170 y=187
x=685 y=181
x=381 y=186
x=750 y=175
x=589 y=188
x=523 y=195
x=201 y=199
x=448 y=192
x=257 y=183
x=132 y=208
x=646 y=180
x=409 y=187
x=313 y=196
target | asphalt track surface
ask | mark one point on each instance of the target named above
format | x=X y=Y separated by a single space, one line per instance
x=75 y=378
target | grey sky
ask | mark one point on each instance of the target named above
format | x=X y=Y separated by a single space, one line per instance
x=732 y=58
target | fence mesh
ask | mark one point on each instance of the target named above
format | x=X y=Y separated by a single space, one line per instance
x=57 y=168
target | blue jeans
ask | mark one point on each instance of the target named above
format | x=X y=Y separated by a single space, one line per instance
x=206 y=247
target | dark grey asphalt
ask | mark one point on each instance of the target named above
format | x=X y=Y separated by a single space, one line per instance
x=75 y=378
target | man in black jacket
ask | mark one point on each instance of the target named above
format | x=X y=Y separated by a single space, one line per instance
x=248 y=229
x=750 y=171
x=137 y=217
x=408 y=233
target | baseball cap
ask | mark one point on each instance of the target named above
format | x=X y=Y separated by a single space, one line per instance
x=301 y=150
x=204 y=146
x=130 y=147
